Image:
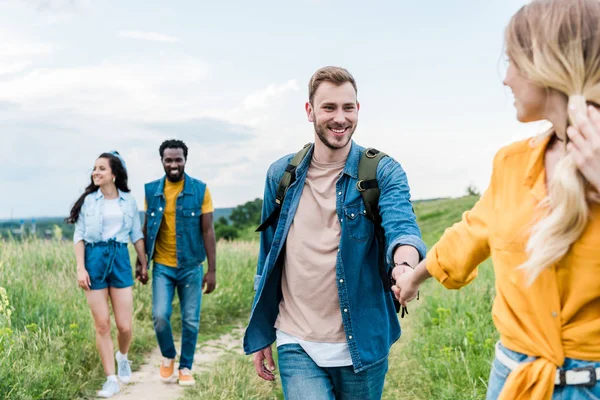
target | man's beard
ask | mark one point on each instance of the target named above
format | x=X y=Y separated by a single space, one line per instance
x=321 y=133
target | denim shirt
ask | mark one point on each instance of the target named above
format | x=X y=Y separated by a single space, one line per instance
x=368 y=315
x=188 y=224
x=89 y=224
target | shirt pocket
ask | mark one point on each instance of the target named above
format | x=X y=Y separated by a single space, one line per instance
x=357 y=226
x=128 y=216
x=191 y=217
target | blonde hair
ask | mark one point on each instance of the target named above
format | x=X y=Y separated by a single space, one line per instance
x=335 y=75
x=556 y=45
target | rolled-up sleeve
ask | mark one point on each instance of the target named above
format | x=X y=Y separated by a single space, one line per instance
x=79 y=233
x=136 y=227
x=453 y=260
x=398 y=217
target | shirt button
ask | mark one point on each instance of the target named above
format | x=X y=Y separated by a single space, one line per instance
x=341 y=281
x=352 y=215
x=345 y=310
x=193 y=214
x=152 y=214
x=341 y=219
x=350 y=337
x=338 y=249
x=554 y=314
x=339 y=193
x=159 y=209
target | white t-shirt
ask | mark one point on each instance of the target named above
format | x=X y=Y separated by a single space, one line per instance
x=323 y=354
x=112 y=219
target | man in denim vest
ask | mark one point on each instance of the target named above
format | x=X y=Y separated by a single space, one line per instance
x=179 y=237
x=319 y=292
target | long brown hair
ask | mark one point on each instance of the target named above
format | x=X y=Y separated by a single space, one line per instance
x=120 y=173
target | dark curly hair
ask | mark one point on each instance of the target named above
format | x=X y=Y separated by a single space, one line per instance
x=120 y=173
x=173 y=144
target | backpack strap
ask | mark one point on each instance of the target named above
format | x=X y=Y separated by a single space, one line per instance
x=289 y=176
x=369 y=189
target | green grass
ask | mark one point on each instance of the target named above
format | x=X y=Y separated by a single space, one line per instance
x=47 y=345
x=48 y=351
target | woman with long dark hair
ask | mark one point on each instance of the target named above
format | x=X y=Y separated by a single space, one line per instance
x=106 y=218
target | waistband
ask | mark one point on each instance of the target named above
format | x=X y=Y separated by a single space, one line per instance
x=585 y=376
x=107 y=243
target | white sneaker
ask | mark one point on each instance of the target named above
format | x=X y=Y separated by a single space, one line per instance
x=123 y=369
x=109 y=389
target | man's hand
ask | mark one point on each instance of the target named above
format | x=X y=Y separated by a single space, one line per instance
x=209 y=282
x=264 y=371
x=141 y=272
x=405 y=289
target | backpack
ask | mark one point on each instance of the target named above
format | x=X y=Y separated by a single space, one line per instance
x=369 y=189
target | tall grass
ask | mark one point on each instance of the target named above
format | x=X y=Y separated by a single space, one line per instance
x=47 y=343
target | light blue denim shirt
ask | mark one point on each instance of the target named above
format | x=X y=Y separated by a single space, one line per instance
x=368 y=315
x=89 y=225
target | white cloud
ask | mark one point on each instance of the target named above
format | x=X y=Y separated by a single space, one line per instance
x=151 y=36
x=19 y=48
x=11 y=68
x=260 y=98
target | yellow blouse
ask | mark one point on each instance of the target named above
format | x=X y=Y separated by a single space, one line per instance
x=558 y=316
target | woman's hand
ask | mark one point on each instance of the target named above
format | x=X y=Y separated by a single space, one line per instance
x=584 y=145
x=405 y=289
x=83 y=278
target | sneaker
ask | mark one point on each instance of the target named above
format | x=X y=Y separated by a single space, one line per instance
x=186 y=378
x=166 y=370
x=109 y=389
x=123 y=370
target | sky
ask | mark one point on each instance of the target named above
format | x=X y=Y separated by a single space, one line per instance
x=81 y=77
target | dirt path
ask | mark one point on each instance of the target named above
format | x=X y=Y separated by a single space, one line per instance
x=146 y=384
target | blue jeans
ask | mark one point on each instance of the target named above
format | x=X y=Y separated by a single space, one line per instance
x=302 y=379
x=188 y=282
x=499 y=374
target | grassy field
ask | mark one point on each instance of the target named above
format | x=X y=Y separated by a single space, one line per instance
x=47 y=348
x=47 y=342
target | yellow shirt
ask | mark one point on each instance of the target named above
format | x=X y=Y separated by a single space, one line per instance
x=165 y=252
x=558 y=316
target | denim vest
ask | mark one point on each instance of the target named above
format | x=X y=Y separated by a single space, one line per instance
x=188 y=226
x=368 y=315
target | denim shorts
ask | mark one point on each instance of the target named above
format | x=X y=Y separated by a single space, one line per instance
x=108 y=265
x=500 y=372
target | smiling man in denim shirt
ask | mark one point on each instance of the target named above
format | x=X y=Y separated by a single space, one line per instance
x=319 y=292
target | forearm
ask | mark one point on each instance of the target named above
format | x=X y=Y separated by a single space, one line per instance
x=406 y=254
x=210 y=246
x=80 y=254
x=421 y=273
x=140 y=249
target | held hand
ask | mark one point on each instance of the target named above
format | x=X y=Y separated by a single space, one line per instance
x=264 y=371
x=584 y=146
x=209 y=282
x=83 y=279
x=405 y=290
x=141 y=273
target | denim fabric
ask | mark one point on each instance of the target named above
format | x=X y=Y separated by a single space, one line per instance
x=368 y=314
x=188 y=283
x=190 y=245
x=302 y=379
x=499 y=373
x=108 y=265
x=89 y=224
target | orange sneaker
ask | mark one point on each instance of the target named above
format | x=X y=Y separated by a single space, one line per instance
x=166 y=370
x=186 y=378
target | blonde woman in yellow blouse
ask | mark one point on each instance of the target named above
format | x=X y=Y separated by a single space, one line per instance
x=539 y=219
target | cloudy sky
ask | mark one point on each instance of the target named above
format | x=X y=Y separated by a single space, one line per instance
x=79 y=77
